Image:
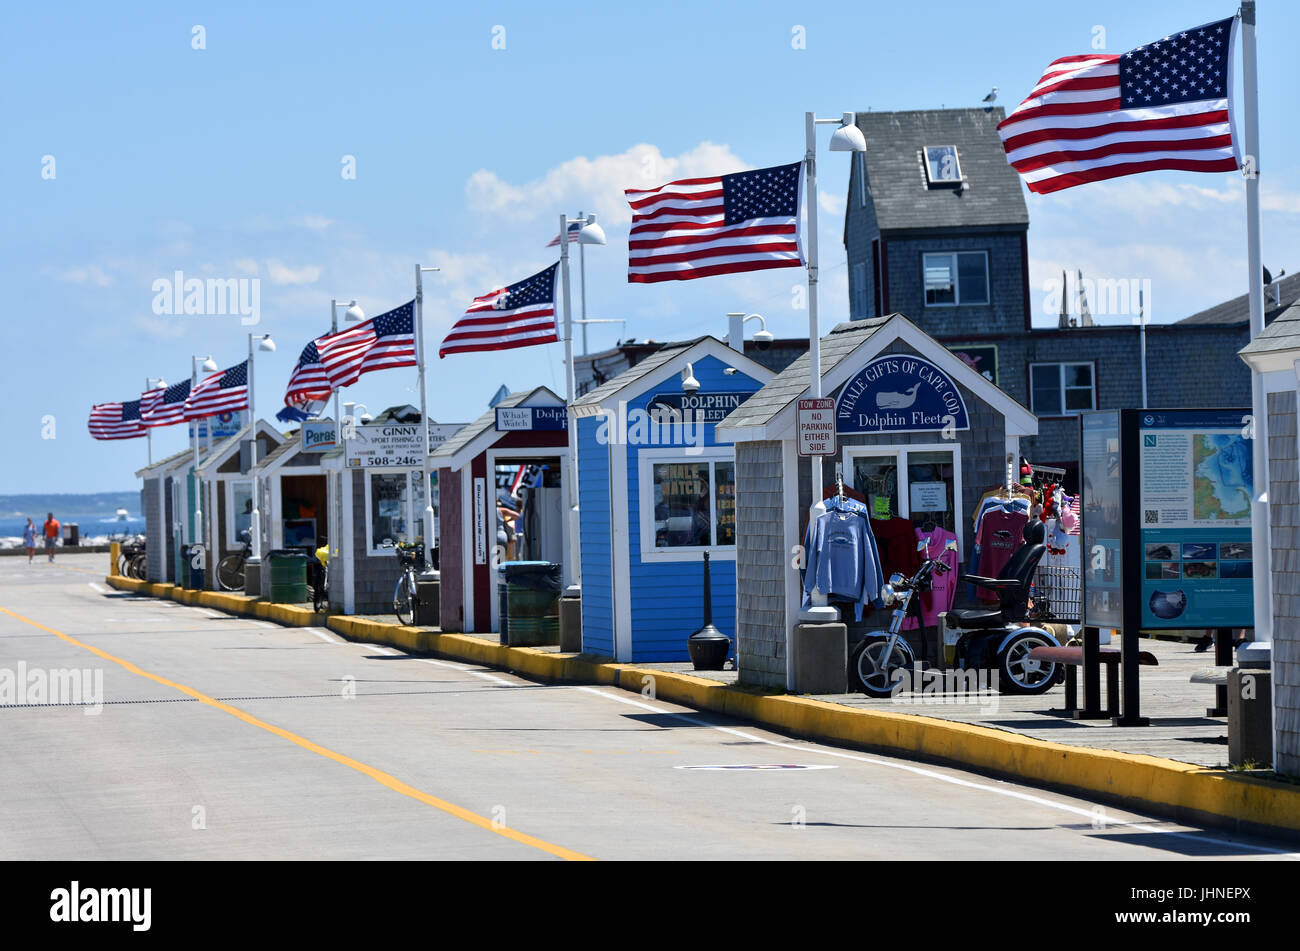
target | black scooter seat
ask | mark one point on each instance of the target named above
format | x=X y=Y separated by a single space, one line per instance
x=975 y=619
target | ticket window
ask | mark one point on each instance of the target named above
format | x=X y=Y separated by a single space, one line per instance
x=917 y=484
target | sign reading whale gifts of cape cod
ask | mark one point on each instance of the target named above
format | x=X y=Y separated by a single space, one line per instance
x=900 y=393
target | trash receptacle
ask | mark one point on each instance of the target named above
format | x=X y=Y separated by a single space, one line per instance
x=71 y=534
x=288 y=577
x=532 y=603
x=503 y=607
x=192 y=567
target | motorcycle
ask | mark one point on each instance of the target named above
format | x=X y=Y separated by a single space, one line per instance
x=873 y=661
x=998 y=641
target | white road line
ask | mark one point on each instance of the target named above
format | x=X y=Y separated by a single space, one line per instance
x=466 y=670
x=952 y=780
x=270 y=624
x=323 y=636
x=99 y=588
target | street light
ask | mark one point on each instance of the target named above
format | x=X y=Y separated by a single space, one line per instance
x=736 y=331
x=589 y=233
x=267 y=345
x=847 y=138
x=420 y=271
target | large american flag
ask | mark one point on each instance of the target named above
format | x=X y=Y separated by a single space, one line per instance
x=170 y=409
x=747 y=221
x=379 y=343
x=116 y=420
x=520 y=315
x=1165 y=105
x=224 y=392
x=309 y=382
x=574 y=228
x=150 y=399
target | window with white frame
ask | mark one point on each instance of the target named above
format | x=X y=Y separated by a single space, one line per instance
x=861 y=158
x=239 y=510
x=942 y=167
x=688 y=504
x=955 y=277
x=389 y=515
x=1062 y=389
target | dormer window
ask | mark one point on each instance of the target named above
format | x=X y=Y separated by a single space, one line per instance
x=942 y=167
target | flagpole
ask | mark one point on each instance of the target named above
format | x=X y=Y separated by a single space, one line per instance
x=194 y=439
x=573 y=573
x=148 y=435
x=424 y=415
x=1259 y=512
x=582 y=279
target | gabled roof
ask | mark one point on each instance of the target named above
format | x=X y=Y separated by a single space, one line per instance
x=790 y=383
x=770 y=413
x=1278 y=346
x=222 y=450
x=991 y=194
x=1236 y=311
x=636 y=372
x=169 y=462
x=463 y=446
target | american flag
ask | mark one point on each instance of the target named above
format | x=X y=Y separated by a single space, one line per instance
x=149 y=400
x=309 y=382
x=1164 y=105
x=379 y=343
x=116 y=420
x=574 y=228
x=747 y=221
x=170 y=409
x=520 y=315
x=224 y=392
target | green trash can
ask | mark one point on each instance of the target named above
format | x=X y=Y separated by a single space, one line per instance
x=288 y=577
x=191 y=576
x=532 y=603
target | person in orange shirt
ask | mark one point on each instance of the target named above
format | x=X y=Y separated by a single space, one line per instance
x=51 y=535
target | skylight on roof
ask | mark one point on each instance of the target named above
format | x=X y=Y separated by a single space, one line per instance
x=942 y=166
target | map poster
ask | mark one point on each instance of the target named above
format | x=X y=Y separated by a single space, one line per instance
x=1196 y=483
x=1103 y=498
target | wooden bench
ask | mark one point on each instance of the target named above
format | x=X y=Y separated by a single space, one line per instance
x=1072 y=657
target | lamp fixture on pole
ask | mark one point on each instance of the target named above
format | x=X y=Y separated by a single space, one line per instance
x=267 y=345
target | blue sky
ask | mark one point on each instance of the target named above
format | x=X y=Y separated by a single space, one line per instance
x=225 y=162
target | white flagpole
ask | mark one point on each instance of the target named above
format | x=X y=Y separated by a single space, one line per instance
x=424 y=415
x=1259 y=514
x=573 y=574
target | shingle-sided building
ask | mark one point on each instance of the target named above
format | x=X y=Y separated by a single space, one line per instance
x=936 y=227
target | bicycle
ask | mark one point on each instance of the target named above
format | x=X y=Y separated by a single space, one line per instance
x=406 y=598
x=230 y=570
x=131 y=560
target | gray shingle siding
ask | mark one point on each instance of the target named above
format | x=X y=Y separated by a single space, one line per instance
x=374 y=576
x=760 y=575
x=1284 y=528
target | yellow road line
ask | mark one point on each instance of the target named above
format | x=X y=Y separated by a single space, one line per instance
x=378 y=775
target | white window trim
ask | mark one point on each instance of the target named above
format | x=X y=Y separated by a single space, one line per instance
x=904 y=488
x=861 y=159
x=646 y=460
x=956 y=279
x=372 y=550
x=939 y=182
x=860 y=291
x=1060 y=382
x=232 y=540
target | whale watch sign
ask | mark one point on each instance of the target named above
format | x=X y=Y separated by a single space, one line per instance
x=897 y=394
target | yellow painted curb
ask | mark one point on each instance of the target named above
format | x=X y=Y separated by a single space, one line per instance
x=1161 y=785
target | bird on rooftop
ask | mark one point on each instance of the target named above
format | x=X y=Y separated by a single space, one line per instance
x=992 y=96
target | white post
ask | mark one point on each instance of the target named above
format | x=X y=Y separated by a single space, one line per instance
x=424 y=416
x=572 y=571
x=582 y=279
x=1259 y=528
x=148 y=430
x=254 y=517
x=814 y=329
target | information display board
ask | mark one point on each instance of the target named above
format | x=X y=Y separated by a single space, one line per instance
x=1196 y=484
x=1102 y=556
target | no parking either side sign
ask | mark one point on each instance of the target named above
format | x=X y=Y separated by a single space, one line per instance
x=816 y=427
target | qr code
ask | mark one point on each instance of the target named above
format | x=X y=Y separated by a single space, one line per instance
x=1152 y=517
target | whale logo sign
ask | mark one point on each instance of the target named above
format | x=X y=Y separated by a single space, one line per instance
x=900 y=393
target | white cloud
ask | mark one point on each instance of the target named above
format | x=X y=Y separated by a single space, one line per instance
x=93 y=274
x=280 y=273
x=246 y=266
x=167 y=328
x=595 y=184
x=316 y=222
x=831 y=203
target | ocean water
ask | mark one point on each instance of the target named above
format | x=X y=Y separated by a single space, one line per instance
x=92 y=528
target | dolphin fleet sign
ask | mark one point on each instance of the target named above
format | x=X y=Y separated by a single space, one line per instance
x=900 y=393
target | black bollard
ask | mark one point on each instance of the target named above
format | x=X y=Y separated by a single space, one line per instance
x=708 y=646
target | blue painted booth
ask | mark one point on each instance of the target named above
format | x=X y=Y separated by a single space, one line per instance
x=656 y=491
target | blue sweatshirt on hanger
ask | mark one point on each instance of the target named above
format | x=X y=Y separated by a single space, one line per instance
x=843 y=561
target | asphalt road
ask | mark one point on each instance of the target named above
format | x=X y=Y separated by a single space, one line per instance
x=224 y=737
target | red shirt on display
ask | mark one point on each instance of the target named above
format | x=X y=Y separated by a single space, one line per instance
x=1001 y=533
